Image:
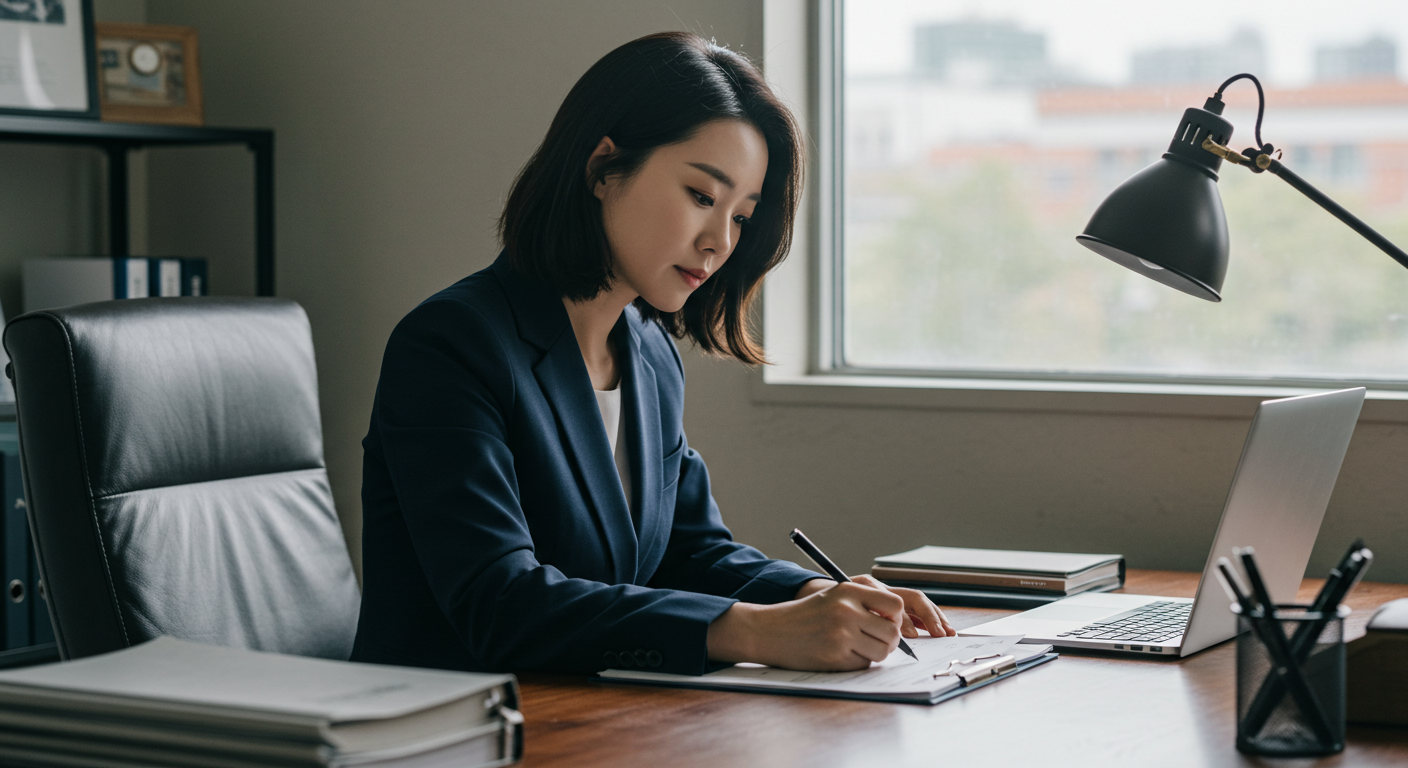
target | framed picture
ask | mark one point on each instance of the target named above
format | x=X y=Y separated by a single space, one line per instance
x=47 y=59
x=148 y=73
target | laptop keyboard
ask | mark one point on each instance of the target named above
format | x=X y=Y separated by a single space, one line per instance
x=1153 y=623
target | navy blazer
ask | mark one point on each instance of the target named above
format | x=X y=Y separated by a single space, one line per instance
x=496 y=535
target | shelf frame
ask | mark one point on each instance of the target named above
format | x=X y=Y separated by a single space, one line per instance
x=117 y=140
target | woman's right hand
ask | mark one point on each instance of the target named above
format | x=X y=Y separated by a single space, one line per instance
x=843 y=627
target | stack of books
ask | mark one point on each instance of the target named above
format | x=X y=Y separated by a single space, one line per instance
x=170 y=702
x=999 y=578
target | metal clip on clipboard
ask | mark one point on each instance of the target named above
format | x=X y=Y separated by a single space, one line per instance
x=985 y=671
x=995 y=668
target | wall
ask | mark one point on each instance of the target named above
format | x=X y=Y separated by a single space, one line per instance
x=51 y=201
x=399 y=128
x=52 y=197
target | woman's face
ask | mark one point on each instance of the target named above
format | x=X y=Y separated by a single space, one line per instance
x=674 y=223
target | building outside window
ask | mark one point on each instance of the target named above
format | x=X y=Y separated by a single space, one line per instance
x=976 y=138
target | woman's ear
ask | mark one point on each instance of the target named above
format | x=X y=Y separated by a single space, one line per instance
x=604 y=149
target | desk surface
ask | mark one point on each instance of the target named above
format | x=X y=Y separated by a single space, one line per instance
x=1087 y=710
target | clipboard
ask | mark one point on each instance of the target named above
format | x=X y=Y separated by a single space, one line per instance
x=968 y=678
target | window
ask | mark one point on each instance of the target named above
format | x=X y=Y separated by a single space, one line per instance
x=972 y=141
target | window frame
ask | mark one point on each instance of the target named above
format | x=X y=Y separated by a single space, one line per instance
x=802 y=299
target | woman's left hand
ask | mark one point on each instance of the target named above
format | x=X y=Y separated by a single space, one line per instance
x=919 y=611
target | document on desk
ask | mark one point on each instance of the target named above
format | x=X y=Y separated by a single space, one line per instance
x=179 y=703
x=933 y=678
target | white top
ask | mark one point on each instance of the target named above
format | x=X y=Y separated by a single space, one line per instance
x=612 y=418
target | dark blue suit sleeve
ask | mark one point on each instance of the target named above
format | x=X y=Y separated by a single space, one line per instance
x=443 y=412
x=701 y=555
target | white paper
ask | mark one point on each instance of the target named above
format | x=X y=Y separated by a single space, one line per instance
x=898 y=675
x=183 y=675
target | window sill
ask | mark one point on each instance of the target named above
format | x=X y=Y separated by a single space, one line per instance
x=1107 y=398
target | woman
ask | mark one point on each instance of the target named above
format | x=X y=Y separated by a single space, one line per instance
x=529 y=499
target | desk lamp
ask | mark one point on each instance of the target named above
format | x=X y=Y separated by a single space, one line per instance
x=1166 y=221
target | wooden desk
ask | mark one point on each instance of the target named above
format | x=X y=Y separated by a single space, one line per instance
x=1082 y=710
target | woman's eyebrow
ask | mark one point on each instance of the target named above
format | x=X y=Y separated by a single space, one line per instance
x=723 y=178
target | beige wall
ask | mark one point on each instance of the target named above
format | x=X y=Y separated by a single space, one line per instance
x=51 y=197
x=399 y=127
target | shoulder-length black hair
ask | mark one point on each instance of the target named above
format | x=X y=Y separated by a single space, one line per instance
x=651 y=92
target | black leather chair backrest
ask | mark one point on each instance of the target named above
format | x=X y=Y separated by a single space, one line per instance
x=173 y=467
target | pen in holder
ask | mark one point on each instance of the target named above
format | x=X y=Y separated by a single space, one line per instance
x=1290 y=681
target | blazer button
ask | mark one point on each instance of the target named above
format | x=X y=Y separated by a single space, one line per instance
x=610 y=660
x=642 y=658
x=654 y=659
x=627 y=659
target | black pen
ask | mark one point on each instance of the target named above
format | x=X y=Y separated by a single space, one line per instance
x=1303 y=640
x=1342 y=578
x=1323 y=597
x=1340 y=569
x=1278 y=647
x=824 y=563
x=1234 y=588
x=1248 y=557
x=1337 y=585
x=1359 y=563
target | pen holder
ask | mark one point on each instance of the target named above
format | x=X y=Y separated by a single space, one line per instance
x=1290 y=691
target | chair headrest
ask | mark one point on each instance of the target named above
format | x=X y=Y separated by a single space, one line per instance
x=175 y=390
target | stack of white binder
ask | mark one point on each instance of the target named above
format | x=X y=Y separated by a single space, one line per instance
x=173 y=703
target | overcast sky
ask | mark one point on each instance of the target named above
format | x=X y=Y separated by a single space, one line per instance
x=1096 y=37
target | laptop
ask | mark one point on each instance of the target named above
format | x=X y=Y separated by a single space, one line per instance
x=1289 y=463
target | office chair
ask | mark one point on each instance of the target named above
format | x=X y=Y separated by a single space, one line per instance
x=173 y=468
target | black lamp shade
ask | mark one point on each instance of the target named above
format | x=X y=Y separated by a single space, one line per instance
x=1166 y=222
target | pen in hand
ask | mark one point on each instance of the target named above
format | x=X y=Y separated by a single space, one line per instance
x=824 y=563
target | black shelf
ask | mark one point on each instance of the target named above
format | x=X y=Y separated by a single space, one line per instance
x=117 y=139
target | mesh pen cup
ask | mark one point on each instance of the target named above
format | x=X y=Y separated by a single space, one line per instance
x=1291 y=682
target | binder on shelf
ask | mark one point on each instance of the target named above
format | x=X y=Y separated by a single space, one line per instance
x=164 y=277
x=193 y=277
x=41 y=623
x=7 y=389
x=16 y=552
x=130 y=278
x=63 y=281
x=173 y=276
x=36 y=643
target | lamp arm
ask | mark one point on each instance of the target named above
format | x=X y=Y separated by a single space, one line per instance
x=1265 y=162
x=1335 y=209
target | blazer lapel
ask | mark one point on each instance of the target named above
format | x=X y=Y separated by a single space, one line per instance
x=562 y=376
x=641 y=398
x=563 y=379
